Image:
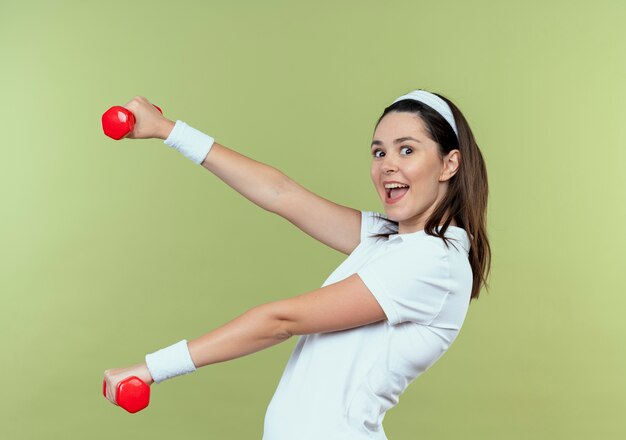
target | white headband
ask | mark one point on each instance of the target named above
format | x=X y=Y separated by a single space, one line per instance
x=434 y=101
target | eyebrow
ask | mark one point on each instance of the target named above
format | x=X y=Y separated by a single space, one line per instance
x=397 y=141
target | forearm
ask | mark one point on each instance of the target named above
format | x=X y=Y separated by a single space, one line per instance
x=260 y=183
x=250 y=332
x=256 y=181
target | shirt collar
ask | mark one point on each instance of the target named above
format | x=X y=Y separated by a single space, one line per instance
x=452 y=231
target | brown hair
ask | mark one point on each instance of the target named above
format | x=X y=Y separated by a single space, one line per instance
x=466 y=199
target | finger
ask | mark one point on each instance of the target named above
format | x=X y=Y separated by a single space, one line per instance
x=136 y=103
x=141 y=101
x=111 y=393
x=132 y=106
x=111 y=398
x=108 y=392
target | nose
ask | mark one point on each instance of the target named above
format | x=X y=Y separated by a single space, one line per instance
x=389 y=164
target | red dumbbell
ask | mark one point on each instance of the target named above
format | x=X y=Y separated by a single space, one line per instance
x=133 y=394
x=118 y=121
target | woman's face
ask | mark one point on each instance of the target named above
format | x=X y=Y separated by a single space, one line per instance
x=403 y=152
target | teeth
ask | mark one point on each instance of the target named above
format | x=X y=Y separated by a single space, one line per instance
x=395 y=185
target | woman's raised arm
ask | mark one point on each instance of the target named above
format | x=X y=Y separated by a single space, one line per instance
x=335 y=225
x=256 y=181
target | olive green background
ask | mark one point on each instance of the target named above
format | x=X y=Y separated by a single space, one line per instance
x=111 y=250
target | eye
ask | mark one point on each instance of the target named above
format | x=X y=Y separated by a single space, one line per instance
x=377 y=150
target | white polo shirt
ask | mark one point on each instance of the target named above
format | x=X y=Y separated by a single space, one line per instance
x=338 y=385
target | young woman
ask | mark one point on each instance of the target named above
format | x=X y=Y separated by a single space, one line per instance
x=390 y=310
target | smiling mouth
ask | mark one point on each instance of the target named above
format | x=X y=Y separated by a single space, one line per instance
x=395 y=194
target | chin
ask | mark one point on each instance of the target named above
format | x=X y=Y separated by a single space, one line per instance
x=391 y=216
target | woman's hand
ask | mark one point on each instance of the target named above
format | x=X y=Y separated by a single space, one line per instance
x=116 y=375
x=149 y=122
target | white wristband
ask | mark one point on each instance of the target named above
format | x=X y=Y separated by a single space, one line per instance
x=192 y=143
x=169 y=362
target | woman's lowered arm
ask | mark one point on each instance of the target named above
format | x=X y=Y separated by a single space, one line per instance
x=338 y=306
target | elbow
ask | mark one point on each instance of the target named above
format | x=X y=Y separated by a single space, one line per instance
x=282 y=186
x=276 y=327
x=283 y=333
x=280 y=329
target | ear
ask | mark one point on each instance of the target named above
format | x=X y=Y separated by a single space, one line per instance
x=451 y=162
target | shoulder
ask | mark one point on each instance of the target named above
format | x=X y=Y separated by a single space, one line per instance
x=457 y=241
x=428 y=256
x=422 y=255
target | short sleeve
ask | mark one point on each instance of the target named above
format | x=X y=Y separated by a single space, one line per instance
x=370 y=224
x=366 y=223
x=410 y=281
